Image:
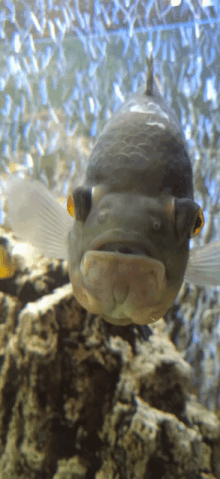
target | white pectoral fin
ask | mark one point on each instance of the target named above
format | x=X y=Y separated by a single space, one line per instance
x=203 y=267
x=34 y=215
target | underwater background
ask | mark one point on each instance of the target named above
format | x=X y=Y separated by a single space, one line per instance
x=65 y=66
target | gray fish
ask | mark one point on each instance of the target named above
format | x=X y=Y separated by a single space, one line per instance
x=127 y=241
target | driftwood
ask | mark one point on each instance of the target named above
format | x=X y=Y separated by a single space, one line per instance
x=81 y=399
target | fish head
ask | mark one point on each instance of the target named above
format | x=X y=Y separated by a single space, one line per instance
x=128 y=252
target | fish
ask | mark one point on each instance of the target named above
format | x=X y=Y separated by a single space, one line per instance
x=7 y=265
x=128 y=223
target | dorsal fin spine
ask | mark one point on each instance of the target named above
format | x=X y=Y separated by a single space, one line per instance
x=149 y=80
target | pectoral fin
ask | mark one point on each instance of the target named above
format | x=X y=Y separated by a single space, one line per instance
x=204 y=265
x=34 y=215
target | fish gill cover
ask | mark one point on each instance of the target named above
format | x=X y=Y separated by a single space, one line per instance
x=67 y=65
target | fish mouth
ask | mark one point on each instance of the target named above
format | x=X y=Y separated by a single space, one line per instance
x=122 y=278
x=125 y=243
x=124 y=248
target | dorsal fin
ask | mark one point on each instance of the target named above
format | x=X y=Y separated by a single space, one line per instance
x=150 y=79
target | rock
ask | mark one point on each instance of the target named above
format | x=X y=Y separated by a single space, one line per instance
x=193 y=326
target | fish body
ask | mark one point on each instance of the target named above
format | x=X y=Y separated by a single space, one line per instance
x=134 y=213
x=133 y=235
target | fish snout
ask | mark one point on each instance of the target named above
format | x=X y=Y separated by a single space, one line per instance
x=123 y=285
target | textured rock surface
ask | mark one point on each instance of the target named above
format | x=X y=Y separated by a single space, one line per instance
x=82 y=399
x=194 y=327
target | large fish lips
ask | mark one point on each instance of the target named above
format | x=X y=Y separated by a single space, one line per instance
x=121 y=279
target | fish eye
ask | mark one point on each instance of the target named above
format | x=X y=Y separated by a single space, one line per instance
x=79 y=203
x=199 y=223
x=70 y=206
